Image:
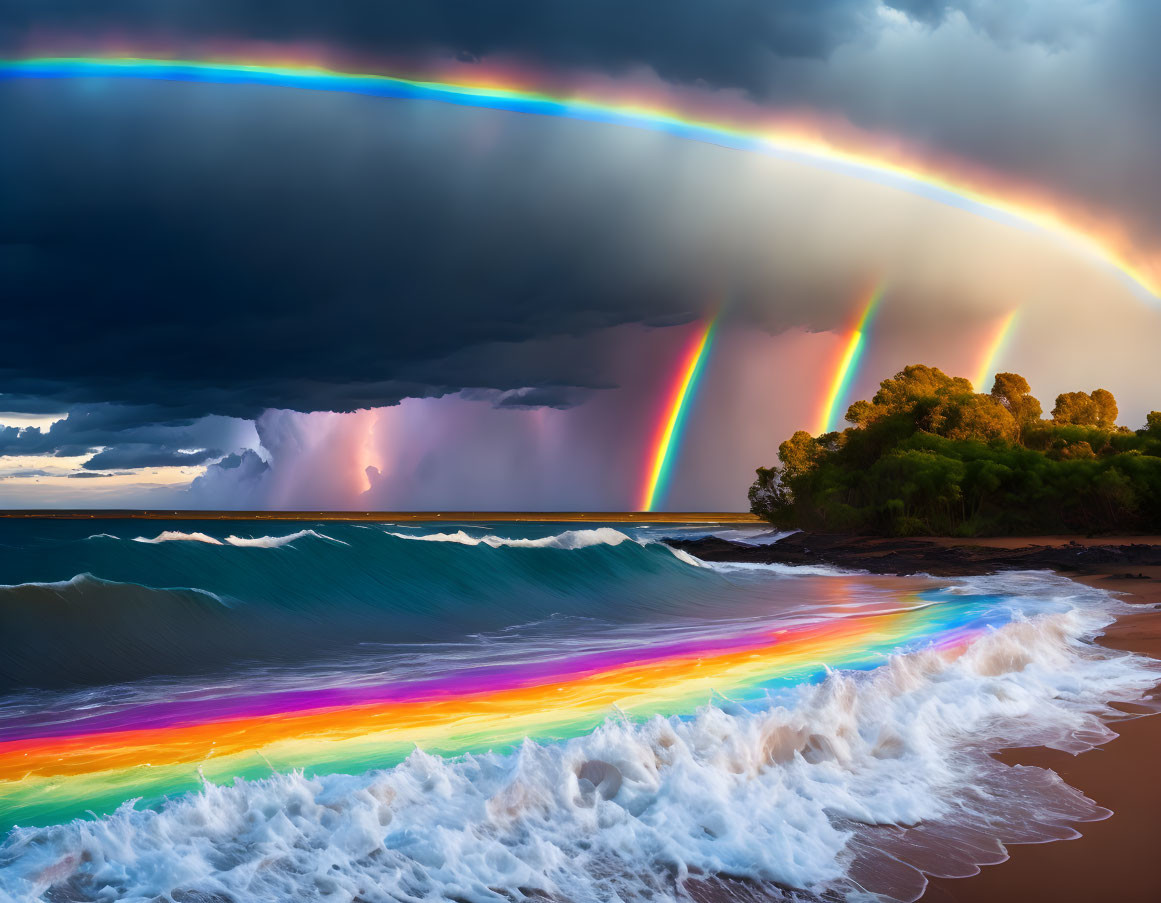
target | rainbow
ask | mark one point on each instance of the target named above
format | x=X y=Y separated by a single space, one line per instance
x=1029 y=216
x=669 y=428
x=849 y=363
x=93 y=761
x=992 y=351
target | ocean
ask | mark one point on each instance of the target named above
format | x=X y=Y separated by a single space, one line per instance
x=267 y=711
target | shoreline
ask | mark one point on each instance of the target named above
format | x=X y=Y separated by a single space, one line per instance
x=1112 y=859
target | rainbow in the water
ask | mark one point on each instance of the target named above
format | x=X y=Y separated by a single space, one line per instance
x=811 y=152
x=93 y=761
x=848 y=365
x=668 y=434
x=992 y=351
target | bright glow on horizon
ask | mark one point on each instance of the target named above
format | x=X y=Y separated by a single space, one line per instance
x=668 y=437
x=992 y=352
x=849 y=363
x=916 y=178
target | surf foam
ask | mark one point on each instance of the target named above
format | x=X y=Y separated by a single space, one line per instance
x=569 y=539
x=851 y=787
x=258 y=542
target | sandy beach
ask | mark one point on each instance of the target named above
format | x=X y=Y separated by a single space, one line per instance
x=1115 y=859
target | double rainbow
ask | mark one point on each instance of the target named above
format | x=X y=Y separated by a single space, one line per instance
x=94 y=761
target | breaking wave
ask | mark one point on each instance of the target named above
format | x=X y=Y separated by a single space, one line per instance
x=569 y=539
x=852 y=788
x=258 y=542
x=828 y=784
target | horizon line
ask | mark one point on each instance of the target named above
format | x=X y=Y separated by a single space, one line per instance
x=279 y=514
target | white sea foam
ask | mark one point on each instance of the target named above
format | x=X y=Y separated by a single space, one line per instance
x=258 y=542
x=569 y=539
x=789 y=570
x=682 y=555
x=178 y=536
x=849 y=787
x=274 y=542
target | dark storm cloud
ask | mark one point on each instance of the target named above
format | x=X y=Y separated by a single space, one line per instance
x=559 y=397
x=189 y=249
x=184 y=250
x=131 y=436
x=134 y=455
x=727 y=42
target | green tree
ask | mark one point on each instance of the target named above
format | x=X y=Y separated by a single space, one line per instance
x=916 y=383
x=1077 y=408
x=1106 y=409
x=929 y=455
x=799 y=453
x=1014 y=393
x=770 y=498
x=979 y=417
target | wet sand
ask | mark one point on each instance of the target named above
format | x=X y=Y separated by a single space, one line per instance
x=1115 y=859
x=1118 y=858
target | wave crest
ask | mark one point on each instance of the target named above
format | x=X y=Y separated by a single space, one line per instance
x=854 y=786
x=243 y=542
x=569 y=539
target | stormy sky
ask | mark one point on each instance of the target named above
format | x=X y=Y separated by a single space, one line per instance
x=246 y=296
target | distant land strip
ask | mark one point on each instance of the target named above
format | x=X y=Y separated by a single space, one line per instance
x=602 y=517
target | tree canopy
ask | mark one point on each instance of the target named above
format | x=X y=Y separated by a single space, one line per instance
x=928 y=455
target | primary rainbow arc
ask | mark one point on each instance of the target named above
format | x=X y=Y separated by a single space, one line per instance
x=867 y=167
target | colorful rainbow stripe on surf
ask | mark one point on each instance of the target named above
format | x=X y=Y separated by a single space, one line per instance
x=919 y=179
x=94 y=761
x=848 y=365
x=667 y=438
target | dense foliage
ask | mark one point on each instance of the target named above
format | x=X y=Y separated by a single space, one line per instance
x=928 y=455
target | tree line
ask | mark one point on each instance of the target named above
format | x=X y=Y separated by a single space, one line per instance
x=927 y=455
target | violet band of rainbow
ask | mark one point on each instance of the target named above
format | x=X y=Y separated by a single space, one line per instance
x=95 y=763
